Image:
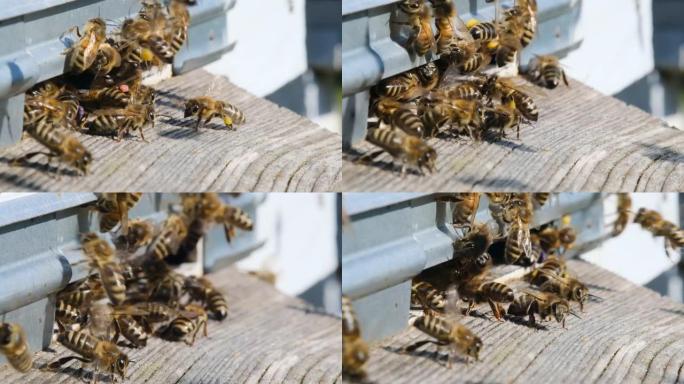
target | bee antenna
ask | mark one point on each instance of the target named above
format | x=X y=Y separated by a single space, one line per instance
x=575 y=314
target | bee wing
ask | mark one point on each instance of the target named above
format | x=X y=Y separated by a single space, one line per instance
x=461 y=29
x=451 y=297
x=90 y=49
x=130 y=311
x=536 y=294
x=229 y=231
x=524 y=239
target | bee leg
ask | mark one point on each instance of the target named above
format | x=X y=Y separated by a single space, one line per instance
x=531 y=322
x=495 y=309
x=142 y=136
x=470 y=308
x=20 y=160
x=368 y=156
x=414 y=346
x=565 y=79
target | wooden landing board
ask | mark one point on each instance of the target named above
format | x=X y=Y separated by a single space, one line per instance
x=267 y=338
x=633 y=336
x=276 y=150
x=583 y=141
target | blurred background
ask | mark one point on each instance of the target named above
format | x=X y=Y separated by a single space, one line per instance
x=288 y=51
x=634 y=50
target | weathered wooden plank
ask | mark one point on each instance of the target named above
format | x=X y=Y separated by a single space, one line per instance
x=582 y=141
x=633 y=336
x=276 y=150
x=267 y=338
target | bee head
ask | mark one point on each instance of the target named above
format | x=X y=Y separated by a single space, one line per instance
x=192 y=108
x=428 y=159
x=121 y=365
x=475 y=347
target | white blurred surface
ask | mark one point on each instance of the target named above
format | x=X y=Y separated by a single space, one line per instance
x=7 y=196
x=618 y=44
x=270 y=45
x=636 y=255
x=301 y=233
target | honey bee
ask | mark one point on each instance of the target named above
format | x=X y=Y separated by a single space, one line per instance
x=510 y=95
x=553 y=265
x=60 y=143
x=199 y=211
x=97 y=251
x=470 y=255
x=429 y=75
x=167 y=286
x=177 y=26
x=108 y=96
x=445 y=11
x=480 y=288
x=103 y=318
x=509 y=43
x=450 y=333
x=113 y=209
x=106 y=60
x=567 y=287
x=529 y=259
x=405 y=86
x=519 y=213
x=155 y=312
x=549 y=239
x=121 y=121
x=410 y=150
x=464 y=208
x=624 y=208
x=484 y=31
x=203 y=290
x=206 y=108
x=422 y=39
x=399 y=115
x=66 y=314
x=81 y=294
x=654 y=222
x=140 y=234
x=105 y=354
x=354 y=348
x=168 y=240
x=541 y=198
x=464 y=91
x=544 y=304
x=233 y=217
x=427 y=296
x=82 y=54
x=14 y=346
x=546 y=71
x=524 y=13
x=186 y=325
x=514 y=248
x=460 y=116
x=474 y=62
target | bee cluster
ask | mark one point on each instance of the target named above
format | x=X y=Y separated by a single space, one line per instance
x=547 y=290
x=411 y=107
x=102 y=92
x=133 y=293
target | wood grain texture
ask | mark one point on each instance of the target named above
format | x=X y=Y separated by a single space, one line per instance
x=267 y=338
x=276 y=150
x=583 y=141
x=633 y=336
